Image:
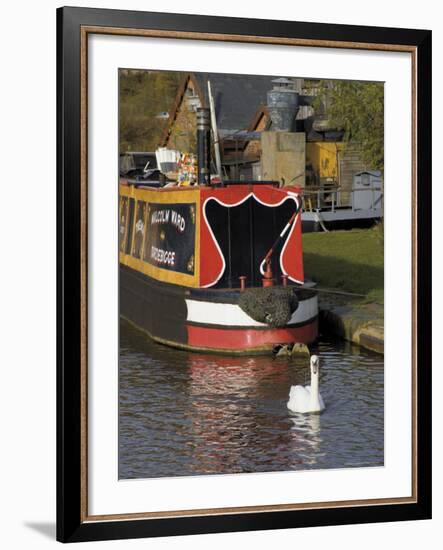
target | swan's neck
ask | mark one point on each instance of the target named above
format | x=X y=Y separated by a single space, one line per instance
x=314 y=387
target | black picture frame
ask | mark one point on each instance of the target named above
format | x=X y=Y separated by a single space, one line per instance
x=72 y=525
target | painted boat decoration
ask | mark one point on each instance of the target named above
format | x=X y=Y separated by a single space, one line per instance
x=215 y=268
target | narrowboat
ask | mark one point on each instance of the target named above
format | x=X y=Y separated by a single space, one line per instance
x=215 y=268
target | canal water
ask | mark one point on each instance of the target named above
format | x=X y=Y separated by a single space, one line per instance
x=183 y=413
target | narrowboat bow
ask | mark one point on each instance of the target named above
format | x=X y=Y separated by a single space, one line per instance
x=215 y=268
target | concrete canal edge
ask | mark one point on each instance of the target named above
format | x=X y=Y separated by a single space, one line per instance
x=360 y=324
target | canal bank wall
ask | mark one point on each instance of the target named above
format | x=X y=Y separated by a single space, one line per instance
x=362 y=324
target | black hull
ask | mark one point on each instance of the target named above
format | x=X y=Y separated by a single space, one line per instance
x=161 y=311
x=156 y=308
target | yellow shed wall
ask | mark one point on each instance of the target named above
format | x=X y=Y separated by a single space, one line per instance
x=323 y=158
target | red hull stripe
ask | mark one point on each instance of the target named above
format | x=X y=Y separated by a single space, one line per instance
x=238 y=339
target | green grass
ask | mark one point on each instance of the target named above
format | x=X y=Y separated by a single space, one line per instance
x=350 y=261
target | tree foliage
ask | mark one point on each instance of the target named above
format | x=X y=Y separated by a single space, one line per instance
x=143 y=95
x=358 y=109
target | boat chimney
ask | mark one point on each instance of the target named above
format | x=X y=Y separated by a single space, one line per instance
x=203 y=146
x=283 y=104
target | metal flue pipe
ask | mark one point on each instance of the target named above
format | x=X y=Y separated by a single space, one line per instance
x=203 y=147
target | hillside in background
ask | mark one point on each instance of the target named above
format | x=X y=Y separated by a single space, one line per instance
x=143 y=95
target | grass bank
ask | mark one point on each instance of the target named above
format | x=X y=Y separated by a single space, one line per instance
x=350 y=261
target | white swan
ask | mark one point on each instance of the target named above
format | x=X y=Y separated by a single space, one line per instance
x=307 y=399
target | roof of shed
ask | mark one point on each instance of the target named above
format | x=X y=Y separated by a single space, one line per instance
x=236 y=97
x=239 y=99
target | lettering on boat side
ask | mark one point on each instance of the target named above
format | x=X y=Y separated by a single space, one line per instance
x=170 y=238
x=169 y=216
x=162 y=256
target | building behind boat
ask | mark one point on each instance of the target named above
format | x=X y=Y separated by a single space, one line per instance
x=339 y=190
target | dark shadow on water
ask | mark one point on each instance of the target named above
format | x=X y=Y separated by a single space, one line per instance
x=46 y=529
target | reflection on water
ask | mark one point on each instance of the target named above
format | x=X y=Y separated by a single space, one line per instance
x=189 y=413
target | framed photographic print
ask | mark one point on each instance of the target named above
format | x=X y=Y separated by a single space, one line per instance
x=244 y=269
